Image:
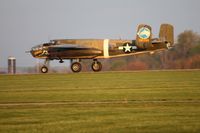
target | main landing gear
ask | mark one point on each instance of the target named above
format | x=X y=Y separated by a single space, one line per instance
x=96 y=66
x=76 y=67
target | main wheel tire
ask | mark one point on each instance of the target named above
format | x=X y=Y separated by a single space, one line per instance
x=76 y=67
x=44 y=69
x=96 y=66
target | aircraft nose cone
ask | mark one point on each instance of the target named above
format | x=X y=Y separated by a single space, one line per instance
x=32 y=53
x=36 y=53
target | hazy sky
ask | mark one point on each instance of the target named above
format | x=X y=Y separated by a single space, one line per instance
x=25 y=23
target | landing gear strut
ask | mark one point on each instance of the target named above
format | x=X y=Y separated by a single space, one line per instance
x=96 y=66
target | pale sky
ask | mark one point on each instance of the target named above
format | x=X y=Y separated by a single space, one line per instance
x=25 y=23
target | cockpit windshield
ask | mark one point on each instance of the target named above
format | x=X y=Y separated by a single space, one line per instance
x=47 y=44
x=42 y=46
x=38 y=47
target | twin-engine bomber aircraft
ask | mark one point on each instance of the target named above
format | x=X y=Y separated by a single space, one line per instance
x=78 y=49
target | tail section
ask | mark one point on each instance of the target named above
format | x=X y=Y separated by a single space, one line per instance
x=143 y=37
x=167 y=34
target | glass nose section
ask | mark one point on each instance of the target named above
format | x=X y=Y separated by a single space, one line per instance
x=37 y=51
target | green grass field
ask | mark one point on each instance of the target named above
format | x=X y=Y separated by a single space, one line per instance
x=111 y=102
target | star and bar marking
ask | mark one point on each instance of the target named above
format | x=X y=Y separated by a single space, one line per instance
x=127 y=48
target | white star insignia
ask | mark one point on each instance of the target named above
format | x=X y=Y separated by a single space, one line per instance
x=127 y=48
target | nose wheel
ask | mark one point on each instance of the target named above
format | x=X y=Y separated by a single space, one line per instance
x=44 y=69
x=96 y=66
x=76 y=67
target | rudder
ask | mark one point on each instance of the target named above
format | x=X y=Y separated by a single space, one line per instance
x=143 y=37
x=167 y=33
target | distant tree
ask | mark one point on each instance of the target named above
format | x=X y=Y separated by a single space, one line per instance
x=118 y=64
x=137 y=65
x=186 y=41
x=195 y=50
x=192 y=62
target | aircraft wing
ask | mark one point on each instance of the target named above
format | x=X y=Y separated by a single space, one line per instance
x=131 y=54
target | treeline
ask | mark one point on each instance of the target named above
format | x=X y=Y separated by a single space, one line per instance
x=184 y=55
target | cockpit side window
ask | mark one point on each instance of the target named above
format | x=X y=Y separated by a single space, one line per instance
x=46 y=44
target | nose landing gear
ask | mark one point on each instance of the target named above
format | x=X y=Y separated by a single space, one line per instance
x=44 y=68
